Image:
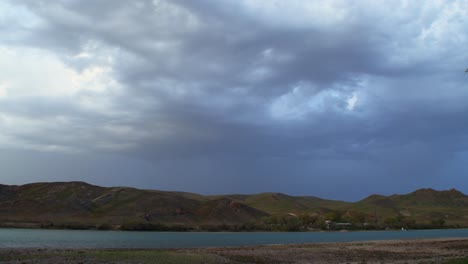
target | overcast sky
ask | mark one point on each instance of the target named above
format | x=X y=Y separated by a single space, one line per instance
x=337 y=99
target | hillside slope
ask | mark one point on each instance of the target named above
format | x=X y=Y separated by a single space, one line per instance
x=423 y=206
x=79 y=202
x=71 y=203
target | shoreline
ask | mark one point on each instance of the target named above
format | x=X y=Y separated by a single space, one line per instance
x=440 y=250
x=214 y=227
x=35 y=226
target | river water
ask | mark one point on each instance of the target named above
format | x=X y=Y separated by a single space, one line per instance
x=126 y=239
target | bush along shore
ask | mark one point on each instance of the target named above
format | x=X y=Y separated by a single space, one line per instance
x=301 y=223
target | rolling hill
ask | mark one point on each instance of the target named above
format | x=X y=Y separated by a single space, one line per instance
x=78 y=204
x=423 y=206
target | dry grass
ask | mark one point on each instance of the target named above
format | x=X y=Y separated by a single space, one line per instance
x=400 y=251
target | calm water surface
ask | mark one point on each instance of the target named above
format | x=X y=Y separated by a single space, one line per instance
x=117 y=239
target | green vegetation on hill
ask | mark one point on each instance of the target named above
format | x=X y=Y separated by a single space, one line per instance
x=81 y=205
x=278 y=203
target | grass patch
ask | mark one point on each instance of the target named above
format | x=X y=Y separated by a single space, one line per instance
x=250 y=259
x=109 y=256
x=24 y=256
x=145 y=256
x=457 y=261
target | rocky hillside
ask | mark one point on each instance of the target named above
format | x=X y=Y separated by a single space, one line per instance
x=79 y=203
x=423 y=205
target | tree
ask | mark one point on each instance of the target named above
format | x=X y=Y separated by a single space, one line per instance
x=332 y=216
x=307 y=219
x=438 y=223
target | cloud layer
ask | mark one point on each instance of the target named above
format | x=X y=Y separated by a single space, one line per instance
x=290 y=96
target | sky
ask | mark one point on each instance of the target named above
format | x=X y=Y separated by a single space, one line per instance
x=337 y=99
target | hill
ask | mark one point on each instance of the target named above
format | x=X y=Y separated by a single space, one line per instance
x=82 y=205
x=423 y=206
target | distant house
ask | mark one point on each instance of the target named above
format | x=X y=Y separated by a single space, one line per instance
x=329 y=224
x=343 y=224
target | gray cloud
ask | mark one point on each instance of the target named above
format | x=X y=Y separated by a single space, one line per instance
x=287 y=97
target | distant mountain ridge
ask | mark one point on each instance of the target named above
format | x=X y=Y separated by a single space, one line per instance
x=80 y=203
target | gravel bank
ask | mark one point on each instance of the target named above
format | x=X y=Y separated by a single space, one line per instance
x=397 y=251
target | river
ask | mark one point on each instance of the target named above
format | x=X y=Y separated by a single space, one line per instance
x=15 y=238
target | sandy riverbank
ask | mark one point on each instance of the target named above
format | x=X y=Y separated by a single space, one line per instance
x=397 y=251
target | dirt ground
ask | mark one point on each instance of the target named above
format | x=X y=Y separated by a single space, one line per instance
x=396 y=251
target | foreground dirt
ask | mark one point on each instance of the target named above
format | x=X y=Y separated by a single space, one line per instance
x=397 y=251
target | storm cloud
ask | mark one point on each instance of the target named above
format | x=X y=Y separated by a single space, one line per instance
x=326 y=98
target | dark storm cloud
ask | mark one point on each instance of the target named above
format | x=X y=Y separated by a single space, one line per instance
x=306 y=93
x=217 y=50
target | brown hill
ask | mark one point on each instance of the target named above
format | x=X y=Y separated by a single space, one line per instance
x=423 y=206
x=79 y=203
